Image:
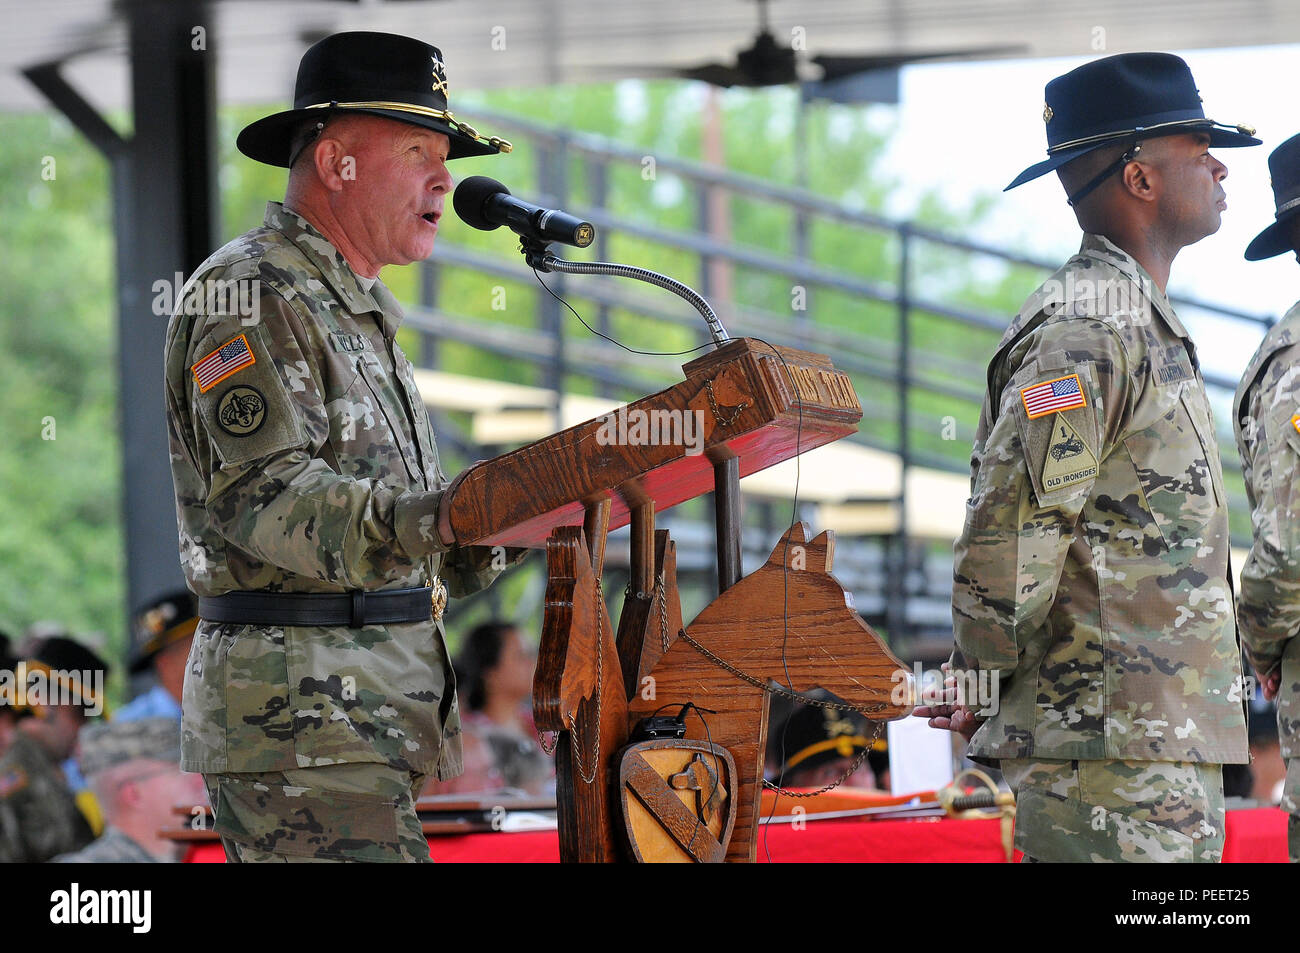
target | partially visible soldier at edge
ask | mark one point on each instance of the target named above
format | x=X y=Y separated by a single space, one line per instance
x=39 y=814
x=307 y=479
x=133 y=767
x=164 y=633
x=1266 y=420
x=8 y=717
x=1092 y=572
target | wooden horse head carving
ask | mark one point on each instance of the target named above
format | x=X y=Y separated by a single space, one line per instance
x=791 y=624
x=825 y=643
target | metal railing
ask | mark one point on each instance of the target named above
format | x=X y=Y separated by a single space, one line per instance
x=915 y=354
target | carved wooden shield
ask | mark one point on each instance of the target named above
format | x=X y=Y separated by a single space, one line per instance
x=677 y=800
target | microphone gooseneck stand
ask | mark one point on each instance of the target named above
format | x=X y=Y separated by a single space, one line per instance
x=726 y=471
x=538 y=255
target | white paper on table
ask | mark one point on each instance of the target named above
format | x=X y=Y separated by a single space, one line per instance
x=528 y=821
x=920 y=757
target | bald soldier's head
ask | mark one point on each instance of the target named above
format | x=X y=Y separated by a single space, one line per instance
x=374 y=187
x=1168 y=196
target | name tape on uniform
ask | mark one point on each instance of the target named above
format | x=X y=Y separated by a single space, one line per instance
x=1061 y=393
x=232 y=356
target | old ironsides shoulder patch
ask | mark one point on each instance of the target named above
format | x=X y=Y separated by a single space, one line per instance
x=1069 y=460
x=1295 y=422
x=241 y=411
x=1060 y=393
x=234 y=355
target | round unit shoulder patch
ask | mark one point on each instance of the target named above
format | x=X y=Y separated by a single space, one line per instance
x=241 y=411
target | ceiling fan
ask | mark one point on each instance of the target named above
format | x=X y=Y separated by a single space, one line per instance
x=844 y=77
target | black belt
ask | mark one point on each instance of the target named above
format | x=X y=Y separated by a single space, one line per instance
x=352 y=609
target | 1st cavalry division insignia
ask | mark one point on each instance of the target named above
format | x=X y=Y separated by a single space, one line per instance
x=677 y=800
x=1068 y=460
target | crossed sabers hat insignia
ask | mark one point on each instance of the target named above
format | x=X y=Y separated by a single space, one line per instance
x=439 y=76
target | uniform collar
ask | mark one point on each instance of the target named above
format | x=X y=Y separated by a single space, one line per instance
x=1281 y=335
x=334 y=268
x=1101 y=248
x=125 y=841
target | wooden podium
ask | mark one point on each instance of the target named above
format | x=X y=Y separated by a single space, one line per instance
x=786 y=628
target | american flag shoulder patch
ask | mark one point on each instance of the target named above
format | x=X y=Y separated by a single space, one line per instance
x=1060 y=393
x=232 y=356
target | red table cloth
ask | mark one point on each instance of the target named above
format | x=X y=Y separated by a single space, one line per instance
x=1255 y=835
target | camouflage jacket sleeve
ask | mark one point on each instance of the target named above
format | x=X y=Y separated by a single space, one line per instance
x=1055 y=408
x=269 y=488
x=1269 y=442
x=467 y=569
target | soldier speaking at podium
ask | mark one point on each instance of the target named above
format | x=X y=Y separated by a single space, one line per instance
x=318 y=694
x=1092 y=572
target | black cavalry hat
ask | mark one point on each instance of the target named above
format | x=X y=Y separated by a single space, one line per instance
x=380 y=74
x=68 y=658
x=166 y=620
x=815 y=736
x=1124 y=98
x=1284 y=170
x=61 y=652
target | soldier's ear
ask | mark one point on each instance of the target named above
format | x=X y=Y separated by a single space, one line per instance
x=1141 y=180
x=128 y=793
x=329 y=155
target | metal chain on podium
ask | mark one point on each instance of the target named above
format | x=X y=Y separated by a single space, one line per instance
x=717 y=414
x=783 y=692
x=848 y=772
x=662 y=598
x=777 y=689
x=589 y=776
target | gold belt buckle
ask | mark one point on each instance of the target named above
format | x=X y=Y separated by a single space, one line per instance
x=439 y=598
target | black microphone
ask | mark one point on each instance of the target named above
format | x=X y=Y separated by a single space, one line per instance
x=487 y=204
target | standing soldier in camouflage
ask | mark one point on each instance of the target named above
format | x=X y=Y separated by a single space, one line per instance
x=1266 y=418
x=134 y=769
x=1091 y=577
x=319 y=693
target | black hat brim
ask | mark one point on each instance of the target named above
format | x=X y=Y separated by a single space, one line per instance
x=1274 y=240
x=142 y=657
x=269 y=139
x=1051 y=164
x=1221 y=137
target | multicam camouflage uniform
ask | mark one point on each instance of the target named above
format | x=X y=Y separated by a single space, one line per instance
x=1092 y=574
x=1266 y=418
x=38 y=814
x=112 y=847
x=310 y=468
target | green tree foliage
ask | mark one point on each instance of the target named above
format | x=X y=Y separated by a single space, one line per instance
x=61 y=545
